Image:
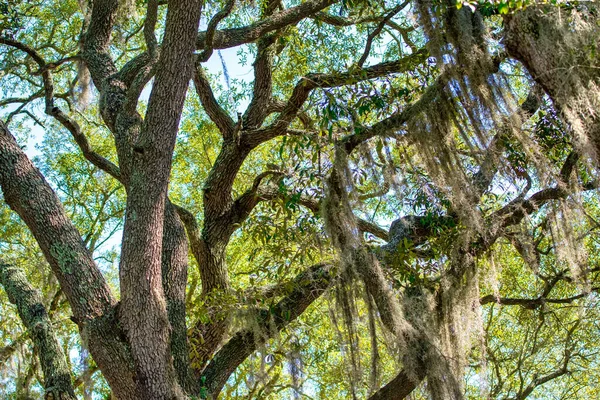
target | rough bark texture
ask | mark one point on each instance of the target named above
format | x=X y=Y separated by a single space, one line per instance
x=307 y=288
x=143 y=310
x=398 y=388
x=57 y=376
x=174 y=279
x=141 y=344
x=27 y=192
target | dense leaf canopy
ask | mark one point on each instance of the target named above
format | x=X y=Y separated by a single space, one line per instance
x=356 y=199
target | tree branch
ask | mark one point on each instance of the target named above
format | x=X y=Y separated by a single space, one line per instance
x=210 y=104
x=143 y=311
x=57 y=376
x=263 y=83
x=174 y=274
x=399 y=387
x=27 y=192
x=563 y=370
x=416 y=229
x=262 y=89
x=378 y=30
x=211 y=29
x=532 y=304
x=304 y=87
x=70 y=124
x=149 y=26
x=227 y=38
x=307 y=287
x=96 y=42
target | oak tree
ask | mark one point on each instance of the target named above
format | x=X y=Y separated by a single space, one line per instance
x=404 y=173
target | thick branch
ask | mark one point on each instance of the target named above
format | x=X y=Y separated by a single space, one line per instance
x=399 y=387
x=57 y=377
x=143 y=309
x=263 y=83
x=174 y=274
x=227 y=38
x=149 y=26
x=211 y=29
x=96 y=42
x=27 y=192
x=307 y=287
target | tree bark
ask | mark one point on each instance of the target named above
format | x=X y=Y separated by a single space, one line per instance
x=27 y=192
x=174 y=278
x=57 y=376
x=561 y=54
x=143 y=311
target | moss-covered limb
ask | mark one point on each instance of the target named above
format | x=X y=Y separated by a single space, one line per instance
x=342 y=228
x=544 y=297
x=488 y=168
x=57 y=377
x=399 y=387
x=306 y=288
x=559 y=48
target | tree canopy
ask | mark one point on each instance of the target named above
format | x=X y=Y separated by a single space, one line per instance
x=322 y=199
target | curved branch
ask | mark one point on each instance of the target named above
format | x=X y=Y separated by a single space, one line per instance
x=70 y=124
x=211 y=29
x=263 y=83
x=378 y=30
x=96 y=41
x=307 y=287
x=227 y=38
x=210 y=104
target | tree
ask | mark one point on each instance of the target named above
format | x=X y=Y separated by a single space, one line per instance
x=359 y=114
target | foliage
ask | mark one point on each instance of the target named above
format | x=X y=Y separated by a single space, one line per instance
x=428 y=209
